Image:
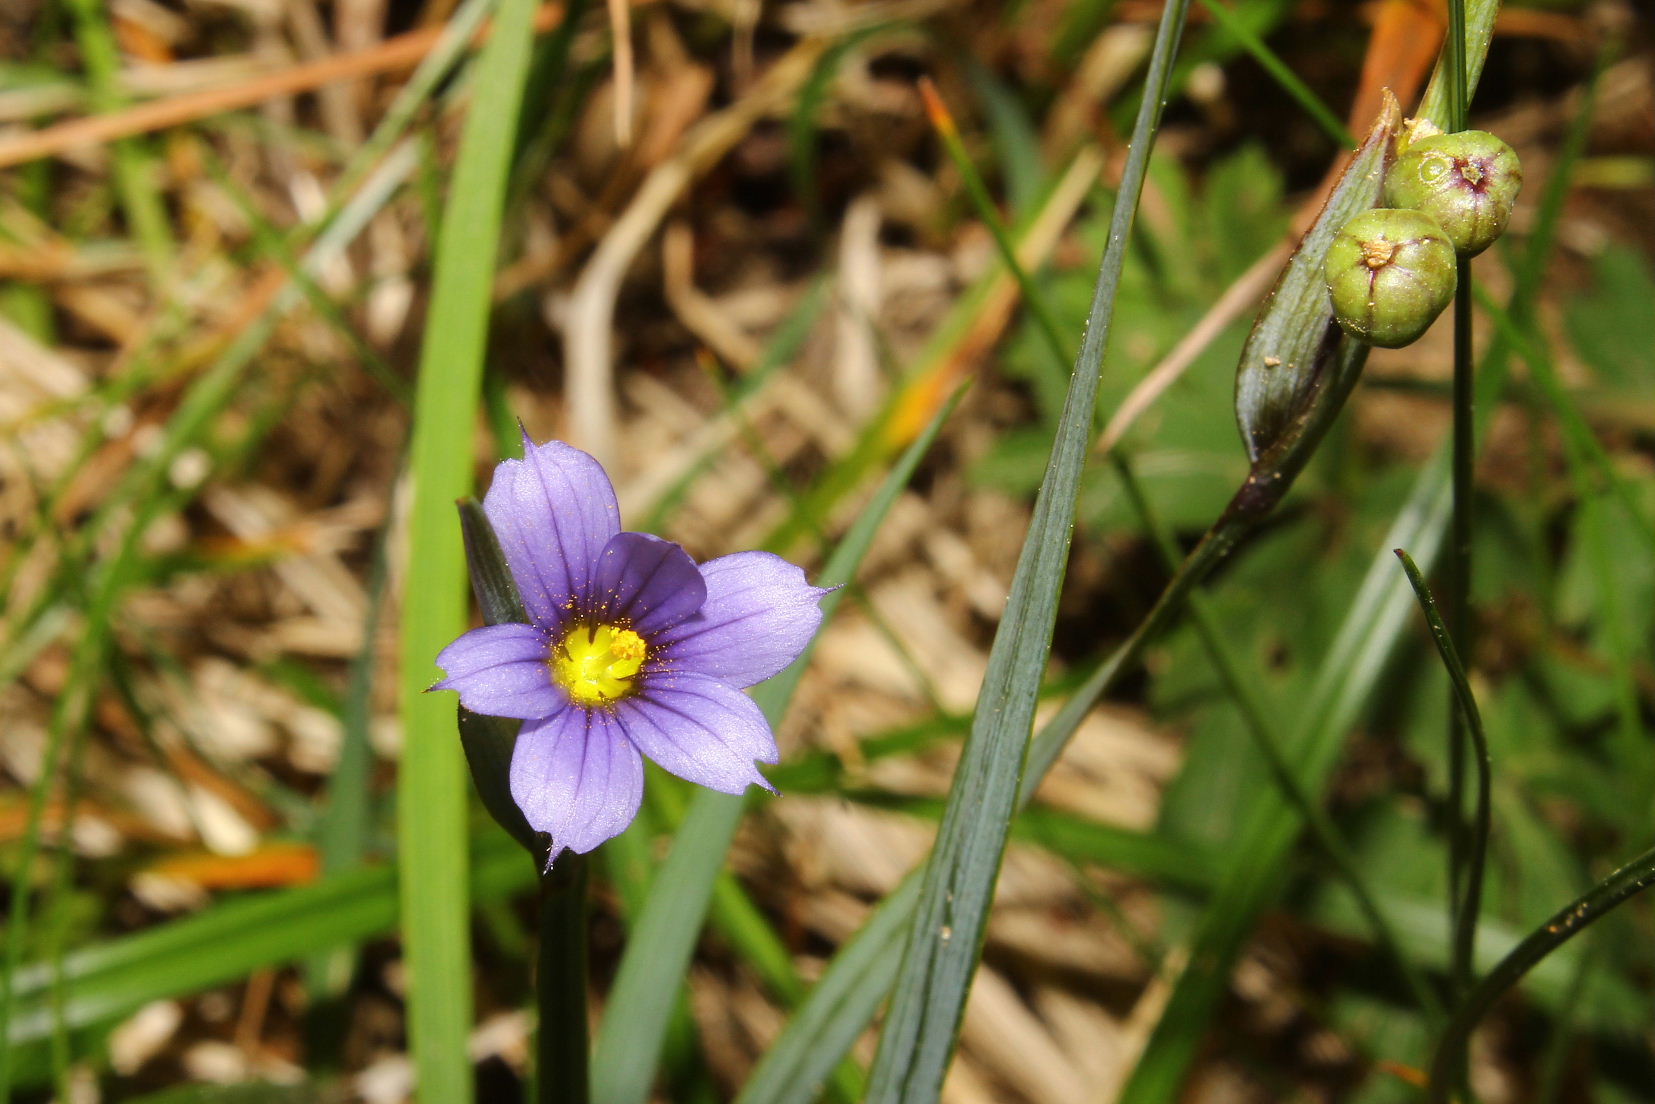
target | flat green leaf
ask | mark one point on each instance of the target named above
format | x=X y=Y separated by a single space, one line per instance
x=233 y=938
x=431 y=797
x=945 y=934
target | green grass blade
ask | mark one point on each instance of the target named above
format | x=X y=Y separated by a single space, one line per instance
x=1469 y=908
x=233 y=938
x=432 y=786
x=343 y=831
x=1280 y=72
x=945 y=934
x=1347 y=676
x=840 y=1006
x=133 y=168
x=665 y=933
x=1592 y=906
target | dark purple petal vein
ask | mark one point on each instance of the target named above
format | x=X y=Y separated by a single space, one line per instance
x=501 y=670
x=576 y=777
x=759 y=615
x=700 y=729
x=553 y=511
x=646 y=581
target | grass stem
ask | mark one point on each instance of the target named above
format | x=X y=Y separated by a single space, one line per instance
x=1253 y=713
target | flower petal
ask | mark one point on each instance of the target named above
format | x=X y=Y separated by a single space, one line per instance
x=647 y=581
x=576 y=777
x=553 y=512
x=700 y=729
x=501 y=670
x=759 y=615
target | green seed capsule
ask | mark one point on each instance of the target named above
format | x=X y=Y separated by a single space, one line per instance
x=1467 y=181
x=1389 y=273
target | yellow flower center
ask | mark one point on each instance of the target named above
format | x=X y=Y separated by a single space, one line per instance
x=596 y=664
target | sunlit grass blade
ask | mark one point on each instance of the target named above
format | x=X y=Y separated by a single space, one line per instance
x=431 y=795
x=666 y=931
x=133 y=167
x=945 y=934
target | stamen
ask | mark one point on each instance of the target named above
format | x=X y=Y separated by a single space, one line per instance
x=596 y=664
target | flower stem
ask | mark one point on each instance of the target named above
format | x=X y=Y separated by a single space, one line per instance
x=1565 y=924
x=1253 y=713
x=1460 y=521
x=561 y=1046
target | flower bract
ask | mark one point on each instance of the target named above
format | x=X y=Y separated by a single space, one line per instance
x=631 y=650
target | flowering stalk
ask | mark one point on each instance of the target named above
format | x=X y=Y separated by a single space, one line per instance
x=600 y=647
x=561 y=1045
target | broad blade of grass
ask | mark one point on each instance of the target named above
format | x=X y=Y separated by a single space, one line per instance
x=664 y=936
x=431 y=793
x=945 y=934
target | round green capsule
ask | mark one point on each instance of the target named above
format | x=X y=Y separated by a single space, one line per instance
x=1467 y=181
x=1389 y=272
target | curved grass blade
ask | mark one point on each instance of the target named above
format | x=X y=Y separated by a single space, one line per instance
x=1337 y=696
x=431 y=797
x=1469 y=907
x=1346 y=678
x=945 y=934
x=641 y=1000
x=1568 y=922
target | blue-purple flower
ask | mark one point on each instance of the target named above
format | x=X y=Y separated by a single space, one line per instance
x=631 y=649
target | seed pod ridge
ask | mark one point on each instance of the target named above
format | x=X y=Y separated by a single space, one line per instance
x=1467 y=181
x=1390 y=272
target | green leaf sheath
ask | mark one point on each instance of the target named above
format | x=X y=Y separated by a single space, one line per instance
x=1297 y=366
x=945 y=935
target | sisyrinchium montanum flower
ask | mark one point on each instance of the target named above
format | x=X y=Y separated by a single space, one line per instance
x=631 y=650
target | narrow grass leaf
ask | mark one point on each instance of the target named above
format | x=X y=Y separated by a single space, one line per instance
x=1468 y=909
x=1280 y=72
x=665 y=933
x=945 y=934
x=1568 y=922
x=431 y=793
x=233 y=938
